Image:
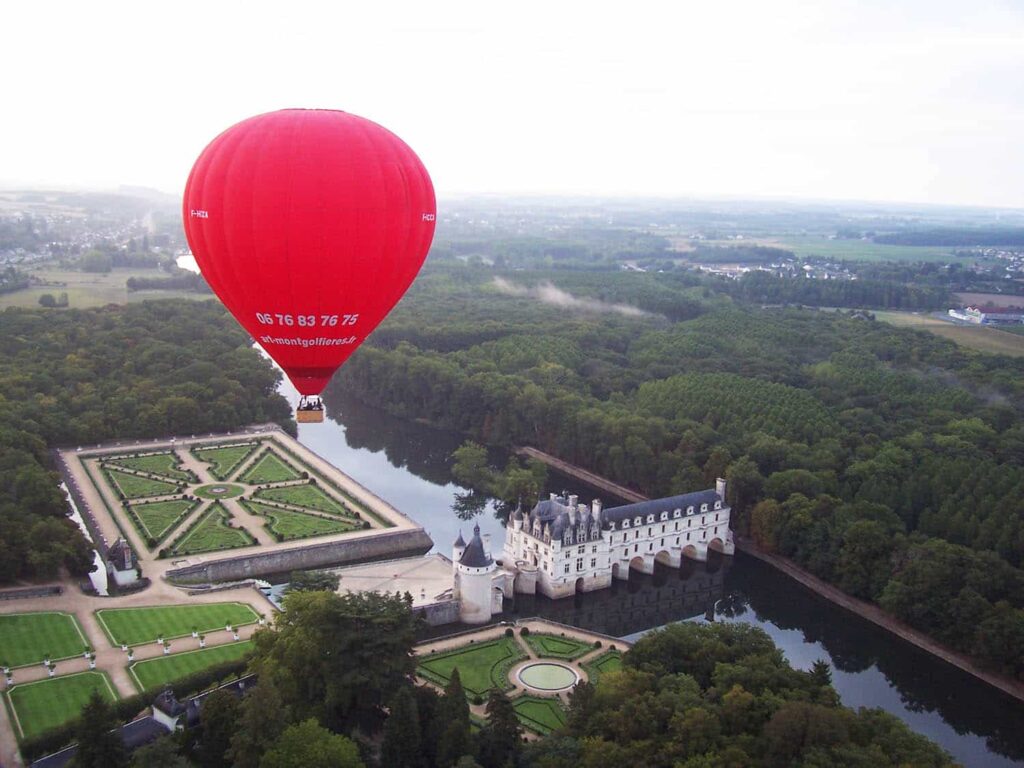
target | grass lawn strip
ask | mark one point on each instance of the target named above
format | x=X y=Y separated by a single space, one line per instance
x=136 y=487
x=226 y=459
x=158 y=519
x=26 y=638
x=538 y=714
x=482 y=666
x=555 y=647
x=269 y=468
x=166 y=464
x=153 y=673
x=606 y=662
x=287 y=525
x=305 y=495
x=212 y=533
x=136 y=626
x=45 y=704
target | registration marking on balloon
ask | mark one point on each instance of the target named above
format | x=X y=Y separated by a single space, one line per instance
x=306 y=321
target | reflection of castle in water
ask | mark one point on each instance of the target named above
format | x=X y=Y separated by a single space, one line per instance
x=645 y=601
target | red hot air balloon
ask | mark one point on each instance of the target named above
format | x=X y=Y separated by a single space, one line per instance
x=309 y=225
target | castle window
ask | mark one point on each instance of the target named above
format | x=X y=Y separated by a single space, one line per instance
x=650 y=531
x=593 y=550
x=676 y=512
x=716 y=518
x=593 y=562
x=702 y=521
x=638 y=521
x=677 y=541
x=611 y=527
x=703 y=507
x=677 y=525
x=664 y=515
x=579 y=564
x=689 y=510
x=625 y=524
x=581 y=550
x=718 y=505
x=687 y=536
x=625 y=552
x=650 y=518
x=636 y=535
x=566 y=567
x=663 y=529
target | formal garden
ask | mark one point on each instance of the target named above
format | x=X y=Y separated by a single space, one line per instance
x=31 y=638
x=156 y=672
x=133 y=626
x=43 y=704
x=180 y=501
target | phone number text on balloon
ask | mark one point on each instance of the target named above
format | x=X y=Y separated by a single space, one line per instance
x=306 y=321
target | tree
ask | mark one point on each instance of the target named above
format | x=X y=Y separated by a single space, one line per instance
x=47 y=300
x=470 y=465
x=500 y=738
x=744 y=486
x=262 y=717
x=218 y=720
x=162 y=753
x=453 y=719
x=765 y=520
x=309 y=745
x=821 y=672
x=865 y=559
x=313 y=581
x=98 y=736
x=401 y=747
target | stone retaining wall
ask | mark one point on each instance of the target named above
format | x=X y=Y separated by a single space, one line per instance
x=439 y=614
x=25 y=593
x=387 y=545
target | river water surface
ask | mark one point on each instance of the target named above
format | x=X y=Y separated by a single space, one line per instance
x=407 y=464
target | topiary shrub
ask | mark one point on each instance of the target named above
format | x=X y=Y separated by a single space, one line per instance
x=509 y=632
x=525 y=631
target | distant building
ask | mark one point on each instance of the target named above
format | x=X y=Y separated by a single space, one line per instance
x=479 y=586
x=989 y=314
x=121 y=563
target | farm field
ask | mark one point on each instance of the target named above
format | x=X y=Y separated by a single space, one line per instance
x=51 y=702
x=481 y=666
x=999 y=299
x=289 y=525
x=861 y=250
x=212 y=533
x=538 y=714
x=89 y=289
x=165 y=464
x=606 y=662
x=153 y=673
x=976 y=337
x=224 y=461
x=26 y=638
x=142 y=625
x=554 y=647
x=158 y=518
x=136 y=487
x=269 y=469
x=307 y=495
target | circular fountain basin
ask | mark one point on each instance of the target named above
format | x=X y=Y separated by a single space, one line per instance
x=548 y=676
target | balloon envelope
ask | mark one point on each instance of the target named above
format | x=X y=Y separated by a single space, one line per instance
x=309 y=225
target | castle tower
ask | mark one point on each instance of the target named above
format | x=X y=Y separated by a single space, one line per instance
x=474 y=570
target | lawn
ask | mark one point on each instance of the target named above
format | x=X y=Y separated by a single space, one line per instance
x=26 y=638
x=166 y=464
x=554 y=647
x=153 y=673
x=976 y=337
x=51 y=702
x=863 y=250
x=225 y=460
x=90 y=289
x=288 y=525
x=538 y=714
x=482 y=666
x=269 y=469
x=143 y=625
x=306 y=495
x=606 y=662
x=212 y=532
x=157 y=519
x=135 y=487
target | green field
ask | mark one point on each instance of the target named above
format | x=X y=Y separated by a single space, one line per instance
x=135 y=487
x=554 y=647
x=166 y=464
x=26 y=638
x=306 y=495
x=861 y=250
x=153 y=673
x=482 y=666
x=143 y=625
x=212 y=533
x=290 y=525
x=606 y=662
x=157 y=519
x=977 y=337
x=269 y=469
x=538 y=714
x=54 y=701
x=224 y=461
x=89 y=289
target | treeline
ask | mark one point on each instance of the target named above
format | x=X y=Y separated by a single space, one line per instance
x=942 y=236
x=874 y=423
x=87 y=376
x=13 y=279
x=766 y=288
x=181 y=280
x=737 y=254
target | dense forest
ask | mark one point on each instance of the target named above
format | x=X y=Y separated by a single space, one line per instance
x=766 y=288
x=868 y=448
x=689 y=696
x=77 y=376
x=956 y=237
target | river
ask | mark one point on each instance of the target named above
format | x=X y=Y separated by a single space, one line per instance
x=407 y=464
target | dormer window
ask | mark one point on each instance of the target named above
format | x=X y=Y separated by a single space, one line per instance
x=664 y=515
x=676 y=512
x=638 y=521
x=718 y=505
x=625 y=523
x=650 y=518
x=611 y=527
x=703 y=507
x=689 y=510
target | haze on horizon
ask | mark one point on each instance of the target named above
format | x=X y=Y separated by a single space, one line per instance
x=912 y=102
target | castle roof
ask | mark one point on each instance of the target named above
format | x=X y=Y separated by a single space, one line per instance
x=120 y=554
x=459 y=542
x=475 y=556
x=656 y=506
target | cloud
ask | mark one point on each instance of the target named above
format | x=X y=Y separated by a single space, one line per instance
x=550 y=294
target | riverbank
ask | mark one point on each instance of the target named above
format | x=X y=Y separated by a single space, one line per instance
x=880 y=618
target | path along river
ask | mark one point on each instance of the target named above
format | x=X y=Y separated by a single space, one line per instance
x=407 y=464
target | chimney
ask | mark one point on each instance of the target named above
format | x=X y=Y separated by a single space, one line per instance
x=487 y=544
x=596 y=507
x=573 y=499
x=552 y=496
x=720 y=488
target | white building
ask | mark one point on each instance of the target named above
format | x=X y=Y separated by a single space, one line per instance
x=478 y=584
x=562 y=547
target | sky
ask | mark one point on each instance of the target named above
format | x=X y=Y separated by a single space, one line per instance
x=898 y=100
